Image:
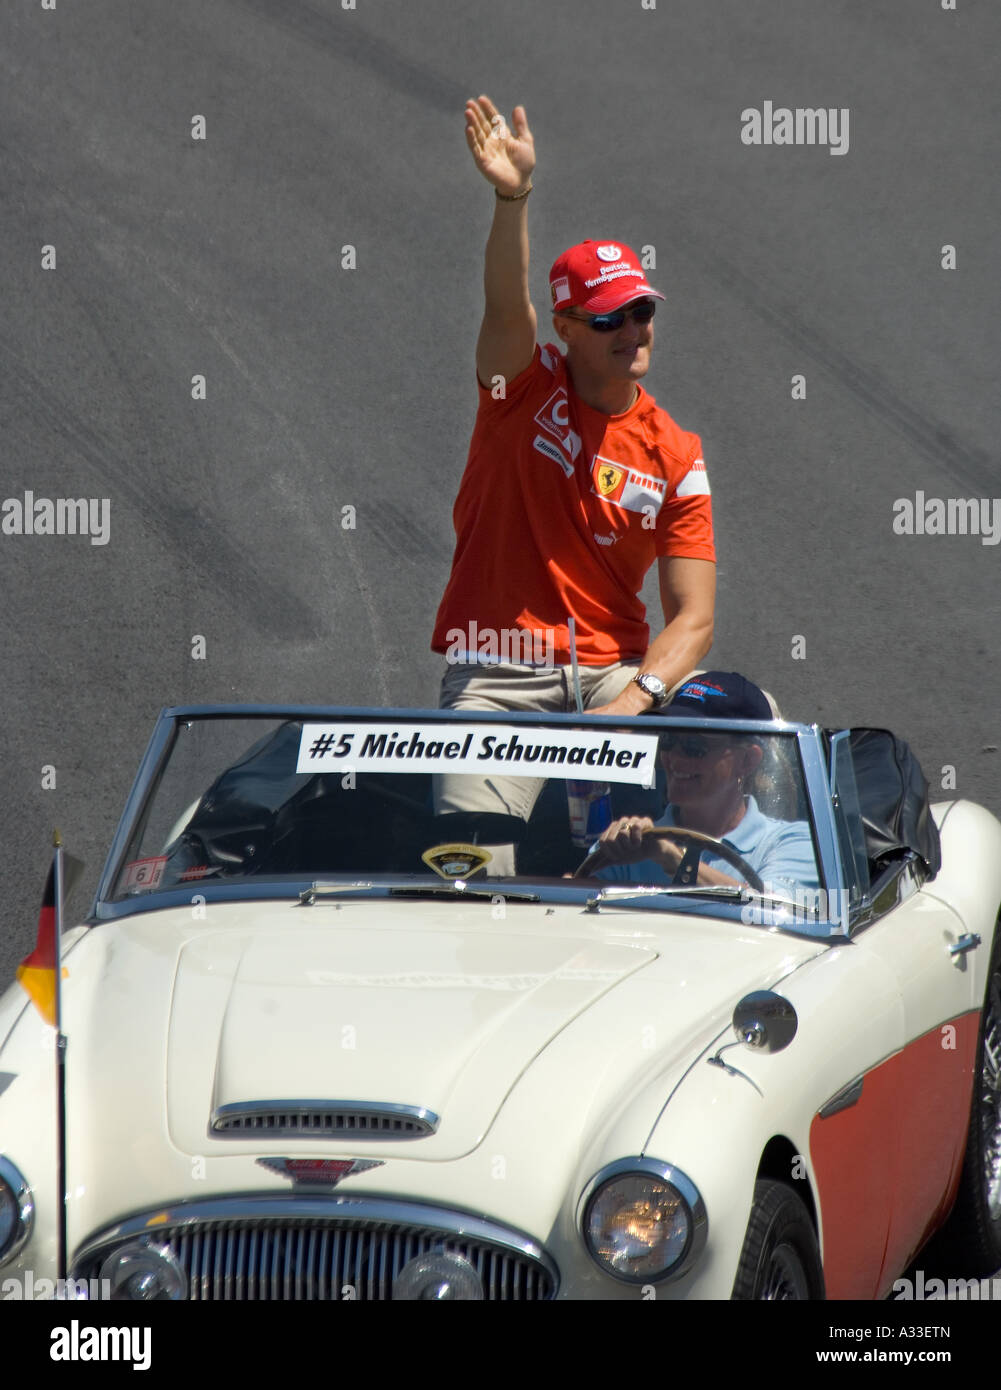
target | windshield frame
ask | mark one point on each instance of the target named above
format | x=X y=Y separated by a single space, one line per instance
x=810 y=745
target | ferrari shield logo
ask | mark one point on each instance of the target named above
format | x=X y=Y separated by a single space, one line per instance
x=607 y=477
x=456 y=861
x=626 y=487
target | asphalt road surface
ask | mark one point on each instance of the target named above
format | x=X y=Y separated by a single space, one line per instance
x=329 y=387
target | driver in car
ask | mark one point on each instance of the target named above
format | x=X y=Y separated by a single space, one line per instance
x=710 y=781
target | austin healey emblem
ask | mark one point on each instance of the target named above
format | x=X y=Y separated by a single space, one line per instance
x=318 y=1172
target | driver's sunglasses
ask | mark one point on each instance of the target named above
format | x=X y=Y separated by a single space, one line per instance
x=691 y=745
x=609 y=323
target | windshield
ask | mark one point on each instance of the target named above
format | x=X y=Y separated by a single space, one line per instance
x=423 y=801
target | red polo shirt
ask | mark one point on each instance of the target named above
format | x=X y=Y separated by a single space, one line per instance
x=561 y=512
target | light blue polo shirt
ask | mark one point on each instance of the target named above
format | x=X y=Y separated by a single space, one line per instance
x=779 y=851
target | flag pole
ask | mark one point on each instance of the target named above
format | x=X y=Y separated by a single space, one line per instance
x=41 y=976
x=60 y=1064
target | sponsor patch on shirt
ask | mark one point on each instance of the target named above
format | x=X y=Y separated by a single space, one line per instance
x=625 y=486
x=552 y=451
x=695 y=482
x=555 y=417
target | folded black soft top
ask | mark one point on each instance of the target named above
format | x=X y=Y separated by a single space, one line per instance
x=893 y=794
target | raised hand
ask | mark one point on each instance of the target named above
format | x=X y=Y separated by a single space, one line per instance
x=504 y=157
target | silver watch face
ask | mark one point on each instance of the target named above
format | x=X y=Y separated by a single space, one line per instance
x=653 y=685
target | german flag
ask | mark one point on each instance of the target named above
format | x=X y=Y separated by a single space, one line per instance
x=37 y=972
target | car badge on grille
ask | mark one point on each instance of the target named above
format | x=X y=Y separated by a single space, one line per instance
x=456 y=861
x=319 y=1172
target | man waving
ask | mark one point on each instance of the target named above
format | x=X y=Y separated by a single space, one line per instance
x=576 y=480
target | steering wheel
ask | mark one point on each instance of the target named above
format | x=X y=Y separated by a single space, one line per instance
x=688 y=870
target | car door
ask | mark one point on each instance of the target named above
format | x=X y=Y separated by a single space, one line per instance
x=930 y=1079
x=900 y=1125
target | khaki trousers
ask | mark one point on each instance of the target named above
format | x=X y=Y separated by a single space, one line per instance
x=506 y=686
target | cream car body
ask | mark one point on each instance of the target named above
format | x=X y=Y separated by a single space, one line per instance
x=540 y=1043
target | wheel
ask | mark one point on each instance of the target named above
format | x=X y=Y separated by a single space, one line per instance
x=971 y=1238
x=697 y=843
x=780 y=1258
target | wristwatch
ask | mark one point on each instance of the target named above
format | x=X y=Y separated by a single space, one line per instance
x=653 y=686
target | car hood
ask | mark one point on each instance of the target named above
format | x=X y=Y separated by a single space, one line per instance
x=426 y=1004
x=426 y=1016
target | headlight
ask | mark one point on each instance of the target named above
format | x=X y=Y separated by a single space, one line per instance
x=17 y=1210
x=643 y=1220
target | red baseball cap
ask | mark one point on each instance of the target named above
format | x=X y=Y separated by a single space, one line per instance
x=598 y=276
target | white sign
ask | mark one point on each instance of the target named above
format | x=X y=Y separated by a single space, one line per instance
x=601 y=756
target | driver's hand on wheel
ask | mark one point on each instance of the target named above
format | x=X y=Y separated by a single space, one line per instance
x=622 y=842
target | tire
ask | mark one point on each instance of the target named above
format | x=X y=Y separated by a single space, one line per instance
x=970 y=1242
x=780 y=1259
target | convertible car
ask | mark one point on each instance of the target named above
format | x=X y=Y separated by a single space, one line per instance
x=339 y=1025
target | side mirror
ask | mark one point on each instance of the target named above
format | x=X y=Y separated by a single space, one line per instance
x=765 y=1020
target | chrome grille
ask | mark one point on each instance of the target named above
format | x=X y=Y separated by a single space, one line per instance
x=322 y=1120
x=272 y=1262
x=262 y=1248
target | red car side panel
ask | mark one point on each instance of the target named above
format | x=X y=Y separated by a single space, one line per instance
x=935 y=1077
x=887 y=1167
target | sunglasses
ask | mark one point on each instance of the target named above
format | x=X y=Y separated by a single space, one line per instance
x=609 y=323
x=691 y=745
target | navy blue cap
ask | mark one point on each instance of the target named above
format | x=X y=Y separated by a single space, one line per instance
x=720 y=695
